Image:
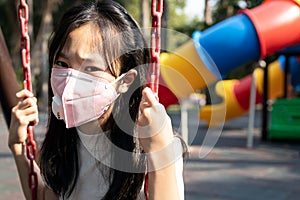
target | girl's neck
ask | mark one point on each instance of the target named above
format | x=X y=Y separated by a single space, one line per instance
x=91 y=128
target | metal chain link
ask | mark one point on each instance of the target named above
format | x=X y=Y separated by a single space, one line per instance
x=156 y=12
x=25 y=56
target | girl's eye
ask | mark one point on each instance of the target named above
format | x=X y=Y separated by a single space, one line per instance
x=92 y=69
x=95 y=71
x=61 y=64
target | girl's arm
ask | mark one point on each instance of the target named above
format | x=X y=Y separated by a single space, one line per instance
x=163 y=150
x=22 y=114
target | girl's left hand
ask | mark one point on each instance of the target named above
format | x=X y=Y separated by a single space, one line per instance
x=154 y=125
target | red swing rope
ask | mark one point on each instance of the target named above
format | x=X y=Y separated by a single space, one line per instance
x=156 y=12
x=25 y=55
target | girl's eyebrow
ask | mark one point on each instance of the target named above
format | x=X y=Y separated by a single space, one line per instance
x=63 y=55
x=91 y=59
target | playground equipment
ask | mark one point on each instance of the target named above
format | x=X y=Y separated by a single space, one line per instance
x=249 y=36
x=284 y=115
x=236 y=93
x=285 y=119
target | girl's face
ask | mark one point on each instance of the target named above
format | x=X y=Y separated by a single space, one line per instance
x=81 y=52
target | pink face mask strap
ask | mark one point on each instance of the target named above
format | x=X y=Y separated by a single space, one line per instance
x=118 y=78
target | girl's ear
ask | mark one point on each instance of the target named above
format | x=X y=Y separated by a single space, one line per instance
x=127 y=80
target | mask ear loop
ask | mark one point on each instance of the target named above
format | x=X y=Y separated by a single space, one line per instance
x=116 y=80
x=119 y=78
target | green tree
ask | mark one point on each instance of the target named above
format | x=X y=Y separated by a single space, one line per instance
x=172 y=17
x=227 y=8
x=133 y=7
x=175 y=18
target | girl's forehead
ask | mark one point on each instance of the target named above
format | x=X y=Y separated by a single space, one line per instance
x=85 y=44
x=86 y=39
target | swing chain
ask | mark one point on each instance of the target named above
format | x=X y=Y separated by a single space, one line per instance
x=25 y=56
x=156 y=11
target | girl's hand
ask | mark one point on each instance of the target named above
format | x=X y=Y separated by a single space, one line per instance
x=23 y=113
x=154 y=125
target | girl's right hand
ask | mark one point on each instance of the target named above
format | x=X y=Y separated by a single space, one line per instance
x=23 y=113
x=154 y=125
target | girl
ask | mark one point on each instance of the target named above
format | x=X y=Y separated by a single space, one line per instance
x=105 y=129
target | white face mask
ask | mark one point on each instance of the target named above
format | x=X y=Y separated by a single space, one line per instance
x=79 y=97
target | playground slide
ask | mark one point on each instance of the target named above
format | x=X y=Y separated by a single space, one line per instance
x=249 y=36
x=236 y=93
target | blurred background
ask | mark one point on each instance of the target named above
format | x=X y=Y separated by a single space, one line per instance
x=238 y=112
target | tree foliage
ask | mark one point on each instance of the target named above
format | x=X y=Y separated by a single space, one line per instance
x=174 y=17
x=133 y=7
x=227 y=8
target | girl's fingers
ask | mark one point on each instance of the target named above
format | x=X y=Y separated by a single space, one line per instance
x=26 y=110
x=26 y=99
x=30 y=114
x=28 y=102
x=149 y=97
x=34 y=119
x=24 y=94
x=30 y=110
x=144 y=105
x=148 y=103
x=25 y=120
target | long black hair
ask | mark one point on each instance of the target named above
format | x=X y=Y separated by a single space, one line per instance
x=59 y=153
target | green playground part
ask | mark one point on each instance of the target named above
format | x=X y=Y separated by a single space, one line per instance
x=285 y=119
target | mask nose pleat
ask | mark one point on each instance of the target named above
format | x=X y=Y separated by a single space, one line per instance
x=74 y=76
